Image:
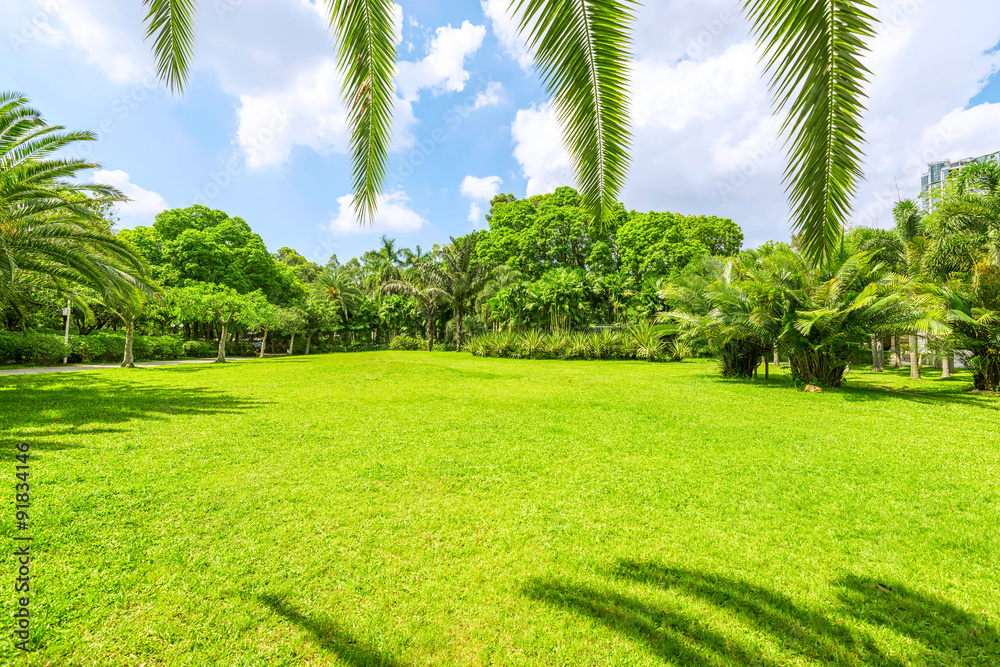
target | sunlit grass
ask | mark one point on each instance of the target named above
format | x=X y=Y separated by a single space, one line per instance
x=413 y=508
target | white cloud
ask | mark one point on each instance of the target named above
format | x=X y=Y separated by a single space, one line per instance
x=475 y=213
x=394 y=215
x=108 y=33
x=505 y=27
x=490 y=96
x=309 y=113
x=443 y=69
x=481 y=189
x=538 y=147
x=144 y=204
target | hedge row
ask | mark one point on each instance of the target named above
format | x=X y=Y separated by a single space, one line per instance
x=42 y=349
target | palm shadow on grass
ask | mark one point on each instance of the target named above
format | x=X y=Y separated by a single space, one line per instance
x=329 y=636
x=946 y=634
x=44 y=409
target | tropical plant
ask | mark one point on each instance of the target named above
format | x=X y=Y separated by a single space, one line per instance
x=462 y=278
x=812 y=51
x=48 y=225
x=425 y=289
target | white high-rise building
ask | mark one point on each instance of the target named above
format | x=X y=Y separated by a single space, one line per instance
x=937 y=175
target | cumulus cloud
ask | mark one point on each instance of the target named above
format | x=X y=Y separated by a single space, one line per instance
x=443 y=69
x=308 y=112
x=394 y=215
x=481 y=189
x=490 y=96
x=144 y=204
x=505 y=28
x=539 y=149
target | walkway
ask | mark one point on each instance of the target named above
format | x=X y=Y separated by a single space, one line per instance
x=145 y=364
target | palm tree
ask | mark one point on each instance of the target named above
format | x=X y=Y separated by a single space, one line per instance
x=426 y=291
x=910 y=229
x=812 y=51
x=46 y=226
x=463 y=279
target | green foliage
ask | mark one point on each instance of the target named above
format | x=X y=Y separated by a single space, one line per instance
x=813 y=54
x=38 y=349
x=199 y=349
x=644 y=341
x=407 y=343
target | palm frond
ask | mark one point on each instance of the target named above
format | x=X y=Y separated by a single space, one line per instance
x=582 y=54
x=170 y=23
x=367 y=60
x=812 y=50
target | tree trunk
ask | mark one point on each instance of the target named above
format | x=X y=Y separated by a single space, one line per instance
x=767 y=369
x=221 y=359
x=897 y=355
x=878 y=355
x=777 y=357
x=291 y=344
x=430 y=332
x=946 y=366
x=309 y=339
x=263 y=342
x=458 y=330
x=914 y=358
x=129 y=360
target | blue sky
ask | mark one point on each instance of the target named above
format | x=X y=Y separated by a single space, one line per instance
x=259 y=133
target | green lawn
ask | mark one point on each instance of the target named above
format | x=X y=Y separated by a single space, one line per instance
x=439 y=509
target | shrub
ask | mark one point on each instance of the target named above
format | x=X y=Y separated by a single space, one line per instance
x=32 y=348
x=407 y=343
x=200 y=349
x=643 y=341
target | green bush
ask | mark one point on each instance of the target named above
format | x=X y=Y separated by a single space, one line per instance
x=407 y=343
x=199 y=349
x=32 y=348
x=643 y=341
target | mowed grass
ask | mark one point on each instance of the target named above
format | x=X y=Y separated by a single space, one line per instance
x=439 y=509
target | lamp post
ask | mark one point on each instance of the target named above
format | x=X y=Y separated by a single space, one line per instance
x=66 y=313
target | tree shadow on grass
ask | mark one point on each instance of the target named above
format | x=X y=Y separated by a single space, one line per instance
x=682 y=637
x=46 y=409
x=330 y=637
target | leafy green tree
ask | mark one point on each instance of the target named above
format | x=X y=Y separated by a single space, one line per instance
x=304 y=269
x=320 y=316
x=206 y=302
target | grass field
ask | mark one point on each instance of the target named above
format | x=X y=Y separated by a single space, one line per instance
x=439 y=509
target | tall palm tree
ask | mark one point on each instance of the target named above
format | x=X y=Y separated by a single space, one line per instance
x=909 y=220
x=463 y=279
x=426 y=290
x=813 y=53
x=46 y=226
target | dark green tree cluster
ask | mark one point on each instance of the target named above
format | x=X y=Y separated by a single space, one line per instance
x=566 y=273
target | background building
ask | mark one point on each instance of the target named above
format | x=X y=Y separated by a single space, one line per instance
x=937 y=175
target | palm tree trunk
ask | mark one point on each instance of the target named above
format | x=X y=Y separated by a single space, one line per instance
x=878 y=355
x=946 y=366
x=430 y=332
x=129 y=360
x=914 y=358
x=221 y=359
x=458 y=330
x=897 y=354
x=777 y=357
